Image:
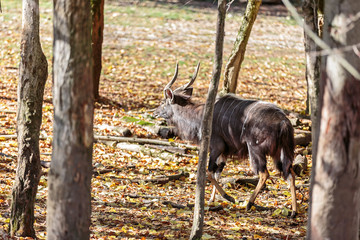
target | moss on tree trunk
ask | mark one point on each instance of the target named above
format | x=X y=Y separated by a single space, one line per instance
x=33 y=75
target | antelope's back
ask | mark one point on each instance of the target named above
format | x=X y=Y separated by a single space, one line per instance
x=228 y=121
x=238 y=121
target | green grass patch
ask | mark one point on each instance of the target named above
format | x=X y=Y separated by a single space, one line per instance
x=137 y=121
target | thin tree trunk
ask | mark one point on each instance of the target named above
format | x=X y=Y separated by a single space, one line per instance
x=233 y=65
x=33 y=75
x=198 y=220
x=69 y=198
x=97 y=9
x=312 y=67
x=335 y=185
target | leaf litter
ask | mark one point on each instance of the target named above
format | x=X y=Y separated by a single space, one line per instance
x=142 y=42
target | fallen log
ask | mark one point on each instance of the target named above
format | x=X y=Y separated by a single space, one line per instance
x=248 y=181
x=145 y=150
x=300 y=165
x=170 y=149
x=241 y=181
x=144 y=141
x=302 y=138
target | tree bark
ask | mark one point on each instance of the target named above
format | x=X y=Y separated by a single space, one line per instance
x=97 y=10
x=335 y=185
x=310 y=12
x=33 y=75
x=69 y=197
x=233 y=65
x=198 y=220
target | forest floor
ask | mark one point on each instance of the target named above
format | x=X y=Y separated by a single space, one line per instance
x=142 y=42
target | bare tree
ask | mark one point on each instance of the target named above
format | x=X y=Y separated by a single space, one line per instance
x=335 y=184
x=198 y=220
x=32 y=77
x=97 y=10
x=236 y=58
x=69 y=197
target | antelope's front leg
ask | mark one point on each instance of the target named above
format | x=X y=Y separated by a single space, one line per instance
x=219 y=188
x=213 y=193
x=216 y=172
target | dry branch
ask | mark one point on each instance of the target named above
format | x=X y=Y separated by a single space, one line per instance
x=163 y=179
x=14 y=136
x=114 y=170
x=142 y=196
x=7 y=111
x=190 y=206
x=158 y=180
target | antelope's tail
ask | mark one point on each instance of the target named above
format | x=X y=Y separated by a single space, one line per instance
x=287 y=146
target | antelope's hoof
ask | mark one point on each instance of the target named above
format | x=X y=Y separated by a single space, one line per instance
x=249 y=205
x=293 y=214
x=229 y=198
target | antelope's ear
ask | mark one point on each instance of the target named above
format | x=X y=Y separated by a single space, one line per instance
x=188 y=91
x=169 y=94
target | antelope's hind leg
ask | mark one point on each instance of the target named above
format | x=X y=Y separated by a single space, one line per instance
x=291 y=180
x=258 y=164
x=263 y=176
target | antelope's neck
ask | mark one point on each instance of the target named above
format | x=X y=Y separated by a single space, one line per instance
x=188 y=120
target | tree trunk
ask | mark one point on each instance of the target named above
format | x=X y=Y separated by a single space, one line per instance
x=69 y=198
x=310 y=11
x=336 y=182
x=198 y=220
x=33 y=75
x=233 y=65
x=97 y=10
